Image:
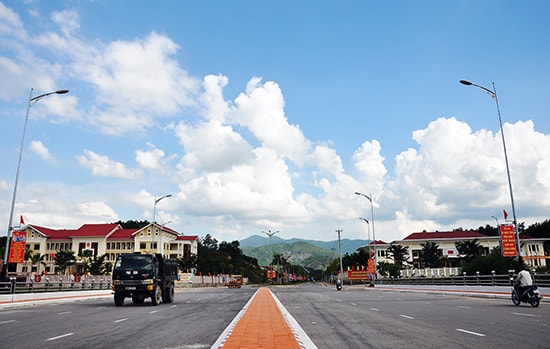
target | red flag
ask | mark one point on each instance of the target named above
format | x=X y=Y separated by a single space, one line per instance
x=21 y=220
x=505 y=214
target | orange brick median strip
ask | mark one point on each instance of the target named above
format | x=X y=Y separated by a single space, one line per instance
x=263 y=325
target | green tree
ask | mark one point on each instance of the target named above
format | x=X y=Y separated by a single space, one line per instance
x=431 y=255
x=398 y=253
x=389 y=269
x=492 y=262
x=98 y=266
x=38 y=259
x=187 y=264
x=64 y=259
x=468 y=249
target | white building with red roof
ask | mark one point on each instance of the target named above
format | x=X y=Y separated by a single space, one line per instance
x=108 y=239
x=532 y=249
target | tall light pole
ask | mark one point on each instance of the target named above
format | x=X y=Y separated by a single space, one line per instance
x=369 y=197
x=155 y=217
x=270 y=234
x=493 y=94
x=368 y=230
x=32 y=100
x=496 y=219
x=339 y=231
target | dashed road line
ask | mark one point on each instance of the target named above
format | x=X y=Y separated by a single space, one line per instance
x=406 y=316
x=470 y=332
x=121 y=320
x=523 y=314
x=62 y=336
x=6 y=321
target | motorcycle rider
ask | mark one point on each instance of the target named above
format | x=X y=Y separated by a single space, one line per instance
x=522 y=281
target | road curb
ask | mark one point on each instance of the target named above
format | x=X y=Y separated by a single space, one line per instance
x=460 y=292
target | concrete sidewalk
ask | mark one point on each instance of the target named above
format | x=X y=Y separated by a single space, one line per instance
x=470 y=291
x=25 y=299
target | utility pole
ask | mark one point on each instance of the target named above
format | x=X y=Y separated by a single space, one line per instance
x=340 y=248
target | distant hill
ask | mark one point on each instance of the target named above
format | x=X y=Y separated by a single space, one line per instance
x=309 y=253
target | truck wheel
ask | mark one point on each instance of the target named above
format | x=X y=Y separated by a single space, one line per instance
x=119 y=299
x=168 y=295
x=156 y=297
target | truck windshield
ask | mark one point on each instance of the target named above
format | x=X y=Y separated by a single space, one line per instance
x=134 y=262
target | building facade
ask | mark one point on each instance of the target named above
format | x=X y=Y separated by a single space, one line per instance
x=92 y=240
x=532 y=249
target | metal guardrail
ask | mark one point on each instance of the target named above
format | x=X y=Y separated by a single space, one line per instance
x=542 y=280
x=14 y=286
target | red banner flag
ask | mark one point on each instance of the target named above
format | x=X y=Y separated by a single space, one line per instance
x=508 y=241
x=17 y=247
x=505 y=214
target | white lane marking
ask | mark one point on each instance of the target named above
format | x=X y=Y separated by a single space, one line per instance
x=225 y=334
x=6 y=321
x=173 y=306
x=121 y=320
x=375 y=309
x=153 y=311
x=426 y=302
x=301 y=336
x=62 y=336
x=353 y=304
x=523 y=314
x=463 y=307
x=406 y=316
x=471 y=332
x=65 y=312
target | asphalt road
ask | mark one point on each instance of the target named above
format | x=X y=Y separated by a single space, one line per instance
x=371 y=318
x=353 y=318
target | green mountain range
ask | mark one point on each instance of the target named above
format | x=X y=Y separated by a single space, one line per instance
x=307 y=253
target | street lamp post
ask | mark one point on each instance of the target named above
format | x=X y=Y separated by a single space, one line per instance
x=32 y=100
x=270 y=234
x=339 y=231
x=155 y=217
x=368 y=230
x=493 y=94
x=369 y=197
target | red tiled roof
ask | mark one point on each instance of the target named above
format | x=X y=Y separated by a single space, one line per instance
x=378 y=242
x=439 y=235
x=187 y=237
x=87 y=230
x=122 y=234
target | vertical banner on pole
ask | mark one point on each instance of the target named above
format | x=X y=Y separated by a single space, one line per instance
x=508 y=241
x=17 y=247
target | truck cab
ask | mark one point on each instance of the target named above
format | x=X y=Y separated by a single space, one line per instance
x=141 y=276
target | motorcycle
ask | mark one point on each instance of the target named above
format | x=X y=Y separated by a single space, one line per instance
x=530 y=295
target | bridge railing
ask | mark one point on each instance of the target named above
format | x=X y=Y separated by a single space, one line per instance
x=542 y=280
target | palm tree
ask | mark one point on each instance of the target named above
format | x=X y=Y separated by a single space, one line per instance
x=398 y=253
x=469 y=249
x=38 y=259
x=430 y=254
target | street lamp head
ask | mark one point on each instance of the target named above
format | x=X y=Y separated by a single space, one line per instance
x=60 y=92
x=466 y=82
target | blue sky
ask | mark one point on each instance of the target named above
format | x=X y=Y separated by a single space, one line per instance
x=258 y=116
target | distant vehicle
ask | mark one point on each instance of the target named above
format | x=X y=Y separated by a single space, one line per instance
x=142 y=276
x=236 y=282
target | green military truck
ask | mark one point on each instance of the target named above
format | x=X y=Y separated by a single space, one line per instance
x=142 y=276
